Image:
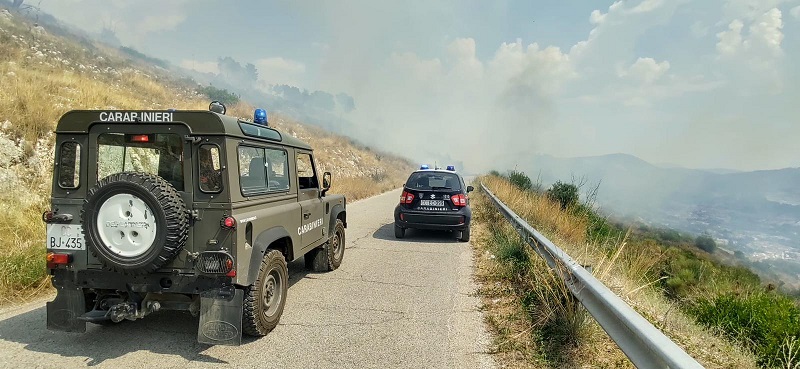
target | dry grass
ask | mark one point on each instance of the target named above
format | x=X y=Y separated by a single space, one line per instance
x=536 y=323
x=42 y=76
x=622 y=267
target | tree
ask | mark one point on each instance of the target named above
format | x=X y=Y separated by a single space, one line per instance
x=705 y=243
x=565 y=194
x=251 y=73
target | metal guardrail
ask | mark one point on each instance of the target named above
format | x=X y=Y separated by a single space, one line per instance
x=644 y=344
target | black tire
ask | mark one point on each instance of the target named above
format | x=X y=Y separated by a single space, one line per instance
x=399 y=232
x=315 y=260
x=329 y=256
x=464 y=235
x=262 y=308
x=336 y=245
x=169 y=217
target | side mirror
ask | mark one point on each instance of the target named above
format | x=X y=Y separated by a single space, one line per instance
x=326 y=182
x=470 y=189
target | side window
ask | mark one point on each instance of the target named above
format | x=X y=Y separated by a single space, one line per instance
x=69 y=165
x=277 y=170
x=209 y=168
x=305 y=172
x=252 y=171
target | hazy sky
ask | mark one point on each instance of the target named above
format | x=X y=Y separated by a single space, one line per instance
x=700 y=83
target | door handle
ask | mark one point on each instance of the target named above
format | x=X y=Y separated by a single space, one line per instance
x=306 y=215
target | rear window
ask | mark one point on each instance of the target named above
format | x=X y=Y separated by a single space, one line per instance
x=155 y=153
x=433 y=181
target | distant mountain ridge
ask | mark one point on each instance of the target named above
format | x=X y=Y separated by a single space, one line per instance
x=743 y=207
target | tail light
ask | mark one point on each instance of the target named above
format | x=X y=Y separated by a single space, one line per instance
x=228 y=223
x=54 y=260
x=216 y=262
x=406 y=197
x=459 y=200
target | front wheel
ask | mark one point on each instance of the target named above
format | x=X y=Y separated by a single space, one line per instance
x=329 y=256
x=264 y=300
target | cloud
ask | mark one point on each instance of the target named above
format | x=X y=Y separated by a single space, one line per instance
x=596 y=17
x=766 y=33
x=748 y=10
x=278 y=70
x=645 y=70
x=758 y=52
x=730 y=41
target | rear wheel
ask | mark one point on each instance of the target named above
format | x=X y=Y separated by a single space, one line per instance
x=399 y=232
x=464 y=235
x=264 y=300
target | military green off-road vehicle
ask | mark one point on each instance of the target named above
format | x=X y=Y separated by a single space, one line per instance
x=183 y=210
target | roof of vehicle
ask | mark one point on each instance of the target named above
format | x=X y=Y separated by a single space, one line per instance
x=199 y=122
x=436 y=171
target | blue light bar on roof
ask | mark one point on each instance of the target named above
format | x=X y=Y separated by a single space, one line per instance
x=424 y=166
x=260 y=116
x=451 y=168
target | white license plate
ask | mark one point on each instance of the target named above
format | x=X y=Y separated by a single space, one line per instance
x=65 y=237
x=431 y=202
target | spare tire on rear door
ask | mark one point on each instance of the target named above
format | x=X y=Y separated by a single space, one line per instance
x=134 y=222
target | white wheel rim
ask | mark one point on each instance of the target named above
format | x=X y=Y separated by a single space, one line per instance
x=126 y=225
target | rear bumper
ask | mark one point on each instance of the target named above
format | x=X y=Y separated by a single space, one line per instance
x=155 y=282
x=454 y=220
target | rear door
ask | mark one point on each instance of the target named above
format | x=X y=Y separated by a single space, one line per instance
x=311 y=223
x=432 y=191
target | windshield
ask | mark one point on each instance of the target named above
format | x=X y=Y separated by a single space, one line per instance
x=433 y=181
x=156 y=153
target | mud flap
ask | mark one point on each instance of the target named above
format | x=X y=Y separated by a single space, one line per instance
x=63 y=312
x=221 y=317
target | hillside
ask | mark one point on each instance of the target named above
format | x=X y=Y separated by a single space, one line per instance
x=753 y=212
x=46 y=71
x=683 y=291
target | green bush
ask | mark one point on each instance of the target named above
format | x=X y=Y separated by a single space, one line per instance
x=221 y=95
x=599 y=229
x=520 y=180
x=761 y=321
x=565 y=194
x=705 y=243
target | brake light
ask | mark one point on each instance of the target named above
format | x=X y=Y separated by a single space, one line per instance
x=459 y=200
x=229 y=266
x=228 y=223
x=54 y=260
x=406 y=197
x=140 y=138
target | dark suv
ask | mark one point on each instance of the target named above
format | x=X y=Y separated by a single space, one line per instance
x=434 y=199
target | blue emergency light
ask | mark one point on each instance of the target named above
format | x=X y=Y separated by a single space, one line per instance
x=451 y=168
x=260 y=116
x=424 y=166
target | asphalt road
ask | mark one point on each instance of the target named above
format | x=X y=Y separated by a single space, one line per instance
x=392 y=304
